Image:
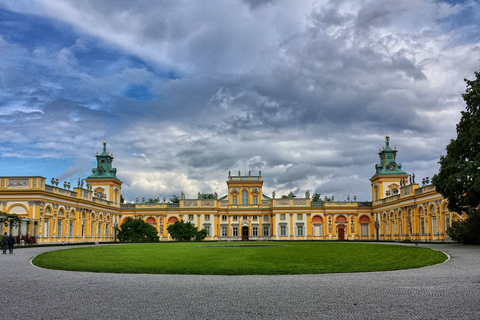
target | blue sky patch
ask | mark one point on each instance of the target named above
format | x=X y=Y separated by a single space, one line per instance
x=138 y=92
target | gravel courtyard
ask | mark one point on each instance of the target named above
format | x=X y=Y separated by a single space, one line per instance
x=447 y=291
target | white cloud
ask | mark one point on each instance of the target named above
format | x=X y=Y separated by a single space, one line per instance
x=303 y=90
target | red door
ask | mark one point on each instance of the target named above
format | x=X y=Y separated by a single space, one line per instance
x=244 y=233
x=341 y=234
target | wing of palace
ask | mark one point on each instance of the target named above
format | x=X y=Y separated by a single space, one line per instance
x=400 y=209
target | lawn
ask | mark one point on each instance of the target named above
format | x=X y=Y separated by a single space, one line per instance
x=240 y=258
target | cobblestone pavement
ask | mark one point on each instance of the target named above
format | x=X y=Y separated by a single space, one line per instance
x=447 y=291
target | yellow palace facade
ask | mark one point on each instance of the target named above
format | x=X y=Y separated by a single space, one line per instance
x=400 y=209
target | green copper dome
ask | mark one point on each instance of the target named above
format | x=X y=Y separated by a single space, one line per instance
x=104 y=169
x=388 y=165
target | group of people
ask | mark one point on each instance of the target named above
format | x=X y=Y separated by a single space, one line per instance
x=8 y=241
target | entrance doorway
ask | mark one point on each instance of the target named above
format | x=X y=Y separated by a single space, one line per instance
x=341 y=233
x=244 y=233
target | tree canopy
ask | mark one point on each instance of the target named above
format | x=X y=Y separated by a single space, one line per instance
x=137 y=230
x=174 y=199
x=186 y=231
x=11 y=218
x=458 y=179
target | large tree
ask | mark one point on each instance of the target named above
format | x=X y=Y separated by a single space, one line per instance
x=137 y=230
x=459 y=177
x=185 y=231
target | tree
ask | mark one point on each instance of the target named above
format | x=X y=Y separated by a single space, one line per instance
x=458 y=179
x=186 y=231
x=137 y=230
x=152 y=201
x=316 y=197
x=11 y=218
x=175 y=199
x=206 y=196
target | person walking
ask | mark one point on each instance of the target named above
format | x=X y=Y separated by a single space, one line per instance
x=5 y=243
x=11 y=242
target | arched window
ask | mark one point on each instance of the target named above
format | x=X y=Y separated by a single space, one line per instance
x=244 y=197
x=172 y=220
x=364 y=219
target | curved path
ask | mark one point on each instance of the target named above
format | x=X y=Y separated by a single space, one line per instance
x=447 y=291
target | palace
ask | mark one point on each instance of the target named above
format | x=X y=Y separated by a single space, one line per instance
x=400 y=209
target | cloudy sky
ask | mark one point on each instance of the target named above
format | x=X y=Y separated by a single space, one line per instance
x=184 y=91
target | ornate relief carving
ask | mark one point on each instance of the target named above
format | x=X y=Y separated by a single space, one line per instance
x=207 y=203
x=283 y=202
x=299 y=202
x=190 y=203
x=18 y=183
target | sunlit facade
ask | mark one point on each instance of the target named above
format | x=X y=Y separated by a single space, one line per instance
x=401 y=209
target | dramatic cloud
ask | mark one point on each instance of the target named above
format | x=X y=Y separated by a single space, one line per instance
x=184 y=91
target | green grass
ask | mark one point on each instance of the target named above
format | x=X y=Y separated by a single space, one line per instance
x=235 y=259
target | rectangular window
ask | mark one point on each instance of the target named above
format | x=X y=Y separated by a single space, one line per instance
x=254 y=218
x=235 y=231
x=46 y=227
x=266 y=231
x=447 y=222
x=207 y=217
x=71 y=229
x=235 y=218
x=283 y=231
x=299 y=216
x=234 y=200
x=317 y=230
x=300 y=231
x=434 y=224
x=190 y=217
x=282 y=216
x=244 y=197
x=422 y=227
x=265 y=218
x=245 y=217
x=255 y=231
x=224 y=231
x=224 y=217
x=364 y=229
x=59 y=228
x=255 y=199
x=208 y=231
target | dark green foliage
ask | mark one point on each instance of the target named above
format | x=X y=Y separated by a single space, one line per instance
x=459 y=177
x=8 y=218
x=316 y=197
x=185 y=231
x=206 y=196
x=466 y=231
x=174 y=199
x=137 y=230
